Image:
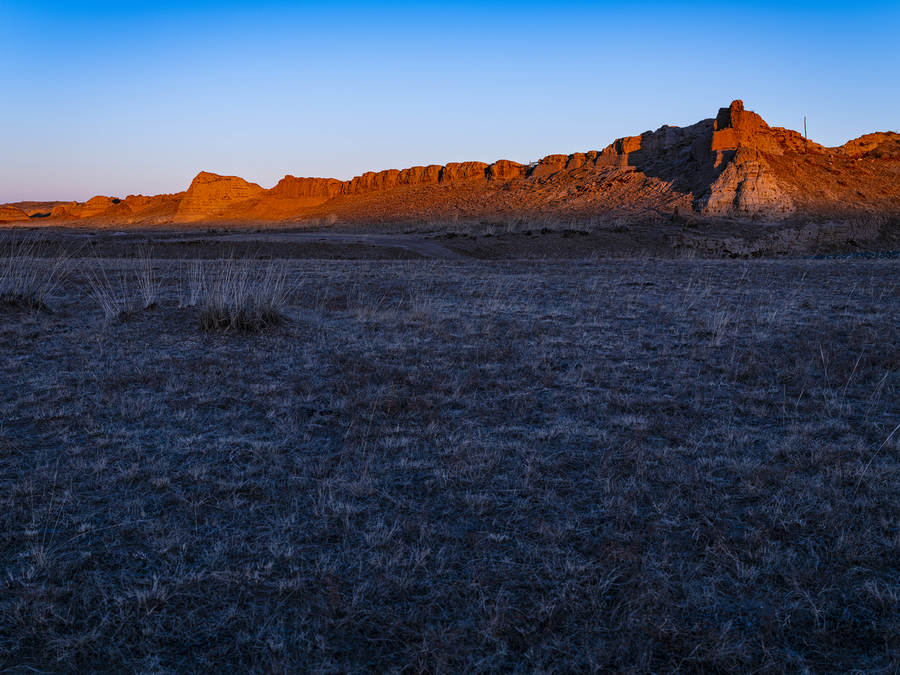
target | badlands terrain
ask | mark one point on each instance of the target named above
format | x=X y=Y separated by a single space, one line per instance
x=729 y=185
x=603 y=414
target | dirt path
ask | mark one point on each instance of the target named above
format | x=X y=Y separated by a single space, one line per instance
x=223 y=243
x=416 y=245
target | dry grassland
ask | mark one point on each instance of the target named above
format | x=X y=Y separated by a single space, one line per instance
x=665 y=466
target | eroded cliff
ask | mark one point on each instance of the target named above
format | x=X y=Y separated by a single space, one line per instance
x=731 y=166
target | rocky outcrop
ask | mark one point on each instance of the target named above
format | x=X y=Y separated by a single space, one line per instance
x=720 y=162
x=62 y=210
x=211 y=194
x=745 y=188
x=371 y=182
x=421 y=175
x=888 y=150
x=102 y=207
x=735 y=127
x=139 y=203
x=881 y=145
x=305 y=192
x=549 y=165
x=504 y=169
x=580 y=159
x=731 y=166
x=96 y=206
x=314 y=191
x=10 y=214
x=463 y=171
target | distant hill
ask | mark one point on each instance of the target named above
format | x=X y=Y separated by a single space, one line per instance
x=733 y=167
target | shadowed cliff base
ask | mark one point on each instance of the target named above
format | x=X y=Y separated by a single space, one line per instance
x=496 y=239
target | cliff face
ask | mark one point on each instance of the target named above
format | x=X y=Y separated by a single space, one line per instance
x=210 y=194
x=720 y=162
x=732 y=166
x=746 y=187
x=10 y=214
x=314 y=191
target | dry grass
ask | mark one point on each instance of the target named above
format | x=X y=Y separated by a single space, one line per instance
x=524 y=224
x=240 y=295
x=607 y=466
x=27 y=280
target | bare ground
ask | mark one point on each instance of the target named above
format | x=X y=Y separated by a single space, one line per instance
x=634 y=465
x=526 y=238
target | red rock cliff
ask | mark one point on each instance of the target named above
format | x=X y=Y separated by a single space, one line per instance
x=210 y=194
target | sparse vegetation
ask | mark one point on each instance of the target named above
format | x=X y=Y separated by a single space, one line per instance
x=26 y=279
x=241 y=296
x=529 y=224
x=634 y=466
x=112 y=287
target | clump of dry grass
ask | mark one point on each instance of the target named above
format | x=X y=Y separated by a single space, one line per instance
x=242 y=295
x=121 y=290
x=26 y=279
x=148 y=284
x=112 y=289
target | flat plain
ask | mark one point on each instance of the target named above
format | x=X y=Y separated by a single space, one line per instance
x=433 y=466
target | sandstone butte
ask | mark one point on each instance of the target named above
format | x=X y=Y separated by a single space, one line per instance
x=731 y=167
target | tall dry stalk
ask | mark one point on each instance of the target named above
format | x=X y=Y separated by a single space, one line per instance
x=148 y=284
x=111 y=291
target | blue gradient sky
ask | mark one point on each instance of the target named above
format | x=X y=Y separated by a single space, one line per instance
x=121 y=98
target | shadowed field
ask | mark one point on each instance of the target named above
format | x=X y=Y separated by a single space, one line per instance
x=433 y=466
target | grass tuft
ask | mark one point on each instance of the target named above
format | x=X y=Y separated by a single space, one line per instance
x=26 y=280
x=111 y=290
x=147 y=283
x=241 y=296
x=113 y=287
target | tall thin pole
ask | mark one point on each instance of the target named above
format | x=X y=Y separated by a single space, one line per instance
x=804 y=127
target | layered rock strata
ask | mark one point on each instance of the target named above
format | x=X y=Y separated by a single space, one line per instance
x=211 y=194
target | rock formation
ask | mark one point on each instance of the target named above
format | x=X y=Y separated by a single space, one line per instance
x=421 y=175
x=211 y=194
x=746 y=187
x=138 y=203
x=63 y=210
x=504 y=169
x=10 y=214
x=731 y=167
x=721 y=162
x=96 y=206
x=874 y=146
x=315 y=190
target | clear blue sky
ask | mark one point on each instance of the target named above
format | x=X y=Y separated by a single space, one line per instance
x=119 y=98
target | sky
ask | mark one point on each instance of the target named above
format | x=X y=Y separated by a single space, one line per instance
x=119 y=98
